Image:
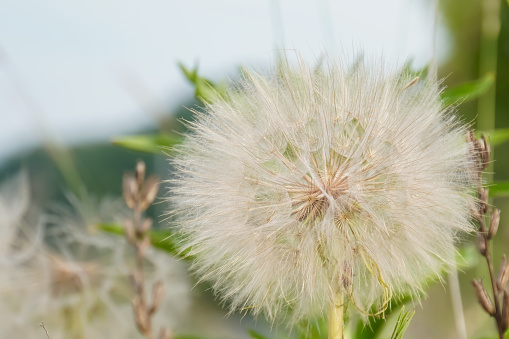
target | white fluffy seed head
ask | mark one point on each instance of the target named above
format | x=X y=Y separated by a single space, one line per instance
x=312 y=182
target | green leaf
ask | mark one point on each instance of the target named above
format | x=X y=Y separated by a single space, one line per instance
x=499 y=189
x=163 y=240
x=469 y=90
x=157 y=143
x=255 y=335
x=205 y=89
x=402 y=324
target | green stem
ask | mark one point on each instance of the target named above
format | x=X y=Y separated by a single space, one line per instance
x=490 y=29
x=336 y=314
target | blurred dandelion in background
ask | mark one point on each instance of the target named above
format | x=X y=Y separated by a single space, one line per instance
x=71 y=277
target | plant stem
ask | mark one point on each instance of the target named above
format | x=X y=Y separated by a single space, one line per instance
x=457 y=305
x=336 y=314
x=490 y=29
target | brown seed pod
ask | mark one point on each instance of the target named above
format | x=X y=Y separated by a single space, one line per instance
x=483 y=297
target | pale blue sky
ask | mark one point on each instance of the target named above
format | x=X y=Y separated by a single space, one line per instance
x=77 y=59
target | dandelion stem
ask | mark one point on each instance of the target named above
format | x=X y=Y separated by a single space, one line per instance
x=336 y=317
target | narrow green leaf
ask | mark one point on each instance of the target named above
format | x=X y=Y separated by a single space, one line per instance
x=376 y=325
x=402 y=324
x=499 y=189
x=163 y=240
x=157 y=143
x=255 y=335
x=469 y=90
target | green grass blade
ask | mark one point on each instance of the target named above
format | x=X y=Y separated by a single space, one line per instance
x=402 y=324
x=156 y=144
x=499 y=189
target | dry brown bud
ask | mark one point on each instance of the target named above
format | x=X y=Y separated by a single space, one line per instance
x=494 y=221
x=483 y=297
x=503 y=274
x=140 y=173
x=485 y=152
x=149 y=192
x=505 y=311
x=129 y=190
x=140 y=315
x=157 y=296
x=481 y=243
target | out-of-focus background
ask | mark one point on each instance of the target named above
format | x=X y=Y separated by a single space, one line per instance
x=75 y=75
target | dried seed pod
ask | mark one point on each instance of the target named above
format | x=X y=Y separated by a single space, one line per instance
x=494 y=221
x=483 y=297
x=505 y=311
x=158 y=293
x=140 y=172
x=129 y=190
x=149 y=192
x=140 y=315
x=481 y=243
x=503 y=274
x=486 y=152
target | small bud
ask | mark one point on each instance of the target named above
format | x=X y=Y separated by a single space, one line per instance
x=503 y=274
x=494 y=221
x=481 y=243
x=483 y=297
x=149 y=192
x=486 y=152
x=158 y=293
x=140 y=173
x=140 y=315
x=129 y=190
x=505 y=311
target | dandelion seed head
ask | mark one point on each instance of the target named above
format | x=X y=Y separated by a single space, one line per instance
x=316 y=181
